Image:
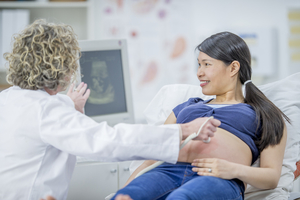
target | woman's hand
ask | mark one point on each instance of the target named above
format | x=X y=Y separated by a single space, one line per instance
x=215 y=167
x=119 y=197
x=79 y=95
x=123 y=197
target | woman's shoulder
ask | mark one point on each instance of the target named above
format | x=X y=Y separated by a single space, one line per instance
x=193 y=101
x=189 y=102
x=239 y=113
x=241 y=108
x=197 y=100
x=246 y=107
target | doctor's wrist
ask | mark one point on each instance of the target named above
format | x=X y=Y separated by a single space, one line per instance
x=180 y=133
x=184 y=131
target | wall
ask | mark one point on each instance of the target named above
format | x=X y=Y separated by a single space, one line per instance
x=74 y=15
x=234 y=14
x=162 y=36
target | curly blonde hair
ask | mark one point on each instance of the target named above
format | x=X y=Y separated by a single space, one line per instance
x=43 y=55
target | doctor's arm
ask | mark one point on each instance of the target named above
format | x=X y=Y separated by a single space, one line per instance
x=68 y=130
x=80 y=95
x=264 y=177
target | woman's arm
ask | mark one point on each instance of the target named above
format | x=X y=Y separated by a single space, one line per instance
x=265 y=177
x=268 y=174
x=170 y=120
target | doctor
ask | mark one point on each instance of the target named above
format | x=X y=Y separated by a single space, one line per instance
x=42 y=132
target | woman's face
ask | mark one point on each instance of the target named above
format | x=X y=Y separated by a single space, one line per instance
x=213 y=74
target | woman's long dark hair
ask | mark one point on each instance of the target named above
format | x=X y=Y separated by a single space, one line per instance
x=228 y=47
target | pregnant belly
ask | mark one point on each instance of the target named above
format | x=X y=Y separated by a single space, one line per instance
x=223 y=145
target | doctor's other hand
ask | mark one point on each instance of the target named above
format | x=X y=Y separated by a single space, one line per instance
x=79 y=96
x=49 y=198
x=208 y=130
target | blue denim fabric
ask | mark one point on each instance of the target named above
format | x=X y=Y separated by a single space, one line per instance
x=169 y=181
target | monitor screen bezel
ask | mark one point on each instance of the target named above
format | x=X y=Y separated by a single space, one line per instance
x=102 y=45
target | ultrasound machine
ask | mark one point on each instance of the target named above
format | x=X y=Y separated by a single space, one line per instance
x=104 y=67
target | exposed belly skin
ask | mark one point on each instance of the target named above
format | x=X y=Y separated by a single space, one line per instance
x=223 y=145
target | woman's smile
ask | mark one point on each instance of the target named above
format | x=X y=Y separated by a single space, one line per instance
x=203 y=83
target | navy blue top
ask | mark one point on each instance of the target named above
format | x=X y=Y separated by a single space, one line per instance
x=238 y=119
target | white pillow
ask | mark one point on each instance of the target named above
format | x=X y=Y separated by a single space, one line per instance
x=167 y=98
x=284 y=93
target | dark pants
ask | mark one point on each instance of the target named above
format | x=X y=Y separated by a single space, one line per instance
x=169 y=181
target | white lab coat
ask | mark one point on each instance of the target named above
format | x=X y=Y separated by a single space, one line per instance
x=41 y=135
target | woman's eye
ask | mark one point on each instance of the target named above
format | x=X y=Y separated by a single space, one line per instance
x=206 y=64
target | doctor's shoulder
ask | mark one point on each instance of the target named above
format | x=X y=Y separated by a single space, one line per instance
x=33 y=99
x=58 y=100
x=19 y=97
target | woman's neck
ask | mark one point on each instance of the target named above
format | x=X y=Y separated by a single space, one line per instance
x=230 y=97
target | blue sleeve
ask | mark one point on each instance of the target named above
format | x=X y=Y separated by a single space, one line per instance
x=178 y=108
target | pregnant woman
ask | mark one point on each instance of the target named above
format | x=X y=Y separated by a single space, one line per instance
x=251 y=126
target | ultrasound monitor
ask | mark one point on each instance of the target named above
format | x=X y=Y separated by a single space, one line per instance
x=104 y=67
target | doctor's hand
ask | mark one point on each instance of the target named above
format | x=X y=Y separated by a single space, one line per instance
x=215 y=167
x=208 y=130
x=49 y=198
x=79 y=96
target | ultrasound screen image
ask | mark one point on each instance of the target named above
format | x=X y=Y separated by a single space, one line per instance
x=102 y=72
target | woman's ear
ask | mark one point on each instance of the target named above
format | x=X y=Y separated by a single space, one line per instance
x=234 y=68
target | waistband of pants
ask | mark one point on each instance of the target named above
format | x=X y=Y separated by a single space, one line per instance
x=178 y=163
x=183 y=163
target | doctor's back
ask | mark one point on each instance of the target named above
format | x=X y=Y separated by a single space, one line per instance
x=29 y=166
